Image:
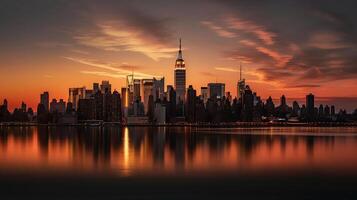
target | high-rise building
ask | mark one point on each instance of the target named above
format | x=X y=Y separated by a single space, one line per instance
x=99 y=106
x=191 y=105
x=130 y=88
x=180 y=76
x=171 y=109
x=136 y=90
x=95 y=88
x=147 y=90
x=159 y=88
x=204 y=94
x=115 y=108
x=310 y=107
x=248 y=104
x=75 y=94
x=57 y=106
x=124 y=98
x=45 y=100
x=89 y=94
x=106 y=87
x=168 y=90
x=86 y=109
x=160 y=113
x=269 y=107
x=240 y=84
x=216 y=90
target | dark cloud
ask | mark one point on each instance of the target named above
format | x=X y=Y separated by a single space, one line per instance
x=26 y=23
x=316 y=38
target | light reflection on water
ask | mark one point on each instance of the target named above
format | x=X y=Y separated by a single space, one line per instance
x=153 y=150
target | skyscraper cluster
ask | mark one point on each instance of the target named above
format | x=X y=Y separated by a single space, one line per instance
x=145 y=101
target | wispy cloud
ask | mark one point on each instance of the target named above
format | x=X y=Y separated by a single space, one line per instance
x=327 y=40
x=280 y=59
x=113 y=70
x=105 y=74
x=250 y=27
x=219 y=30
x=121 y=36
x=226 y=69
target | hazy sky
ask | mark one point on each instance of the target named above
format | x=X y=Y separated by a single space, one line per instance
x=286 y=47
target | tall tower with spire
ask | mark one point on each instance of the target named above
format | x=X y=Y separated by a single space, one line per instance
x=240 y=84
x=180 y=76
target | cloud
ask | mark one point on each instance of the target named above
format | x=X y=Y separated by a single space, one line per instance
x=251 y=27
x=226 y=69
x=219 y=30
x=248 y=43
x=105 y=74
x=280 y=59
x=327 y=40
x=113 y=69
x=120 y=35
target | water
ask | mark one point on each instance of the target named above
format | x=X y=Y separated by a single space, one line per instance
x=296 y=160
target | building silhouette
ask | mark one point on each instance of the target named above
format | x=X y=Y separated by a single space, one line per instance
x=310 y=107
x=74 y=94
x=248 y=105
x=216 y=90
x=147 y=91
x=191 y=105
x=180 y=76
x=45 y=100
x=240 y=84
x=204 y=94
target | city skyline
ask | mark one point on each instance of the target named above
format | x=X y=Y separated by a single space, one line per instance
x=73 y=44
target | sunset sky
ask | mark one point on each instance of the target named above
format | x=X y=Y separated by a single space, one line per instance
x=286 y=47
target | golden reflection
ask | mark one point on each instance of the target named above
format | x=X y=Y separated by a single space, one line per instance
x=127 y=151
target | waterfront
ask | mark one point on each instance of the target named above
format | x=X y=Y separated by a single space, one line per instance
x=157 y=157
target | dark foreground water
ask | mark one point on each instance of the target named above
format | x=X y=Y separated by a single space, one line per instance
x=177 y=163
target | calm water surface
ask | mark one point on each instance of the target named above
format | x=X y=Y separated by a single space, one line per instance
x=177 y=163
x=141 y=151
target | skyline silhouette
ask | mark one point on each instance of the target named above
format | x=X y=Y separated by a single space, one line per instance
x=62 y=44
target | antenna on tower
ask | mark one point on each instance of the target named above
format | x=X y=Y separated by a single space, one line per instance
x=180 y=44
x=240 y=71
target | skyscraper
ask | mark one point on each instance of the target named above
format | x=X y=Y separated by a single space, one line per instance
x=190 y=105
x=216 y=90
x=204 y=94
x=105 y=87
x=95 y=88
x=75 y=94
x=147 y=90
x=45 y=100
x=137 y=91
x=159 y=88
x=310 y=107
x=180 y=76
x=240 y=84
x=248 y=105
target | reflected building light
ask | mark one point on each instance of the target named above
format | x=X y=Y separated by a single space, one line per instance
x=126 y=152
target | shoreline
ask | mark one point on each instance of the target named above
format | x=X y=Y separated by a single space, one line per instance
x=223 y=125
